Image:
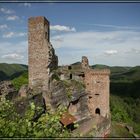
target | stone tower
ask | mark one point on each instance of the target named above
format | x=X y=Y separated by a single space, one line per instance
x=97 y=86
x=42 y=58
x=85 y=64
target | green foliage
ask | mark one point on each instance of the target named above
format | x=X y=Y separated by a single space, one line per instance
x=48 y=125
x=125 y=98
x=21 y=80
x=69 y=94
x=71 y=85
x=126 y=110
x=118 y=110
x=55 y=76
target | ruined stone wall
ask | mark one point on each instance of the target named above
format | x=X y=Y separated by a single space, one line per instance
x=97 y=86
x=84 y=63
x=42 y=58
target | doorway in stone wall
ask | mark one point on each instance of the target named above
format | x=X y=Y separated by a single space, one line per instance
x=97 y=111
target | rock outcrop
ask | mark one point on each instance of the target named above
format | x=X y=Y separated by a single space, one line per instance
x=7 y=90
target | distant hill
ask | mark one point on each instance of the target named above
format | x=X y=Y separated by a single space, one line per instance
x=126 y=74
x=3 y=76
x=76 y=63
x=10 y=71
x=99 y=66
x=114 y=69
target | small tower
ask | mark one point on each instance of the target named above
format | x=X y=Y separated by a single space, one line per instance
x=42 y=58
x=85 y=64
x=97 y=86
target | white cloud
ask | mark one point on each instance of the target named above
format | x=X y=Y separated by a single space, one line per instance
x=14 y=17
x=57 y=38
x=108 y=47
x=62 y=28
x=14 y=56
x=14 y=52
x=7 y=11
x=3 y=26
x=8 y=35
x=13 y=34
x=117 y=27
x=27 y=4
x=21 y=34
x=111 y=52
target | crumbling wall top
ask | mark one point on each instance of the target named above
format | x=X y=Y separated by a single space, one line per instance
x=38 y=19
x=98 y=71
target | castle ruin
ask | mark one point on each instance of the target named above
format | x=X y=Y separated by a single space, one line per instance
x=92 y=102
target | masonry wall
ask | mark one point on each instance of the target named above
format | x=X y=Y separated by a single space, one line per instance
x=42 y=58
x=97 y=85
x=84 y=63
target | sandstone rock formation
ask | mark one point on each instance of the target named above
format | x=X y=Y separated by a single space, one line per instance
x=7 y=90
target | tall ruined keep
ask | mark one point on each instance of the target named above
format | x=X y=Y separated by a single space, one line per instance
x=42 y=58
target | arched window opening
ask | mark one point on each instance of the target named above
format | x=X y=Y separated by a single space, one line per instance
x=97 y=111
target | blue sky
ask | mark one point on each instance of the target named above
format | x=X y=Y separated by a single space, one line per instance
x=107 y=33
